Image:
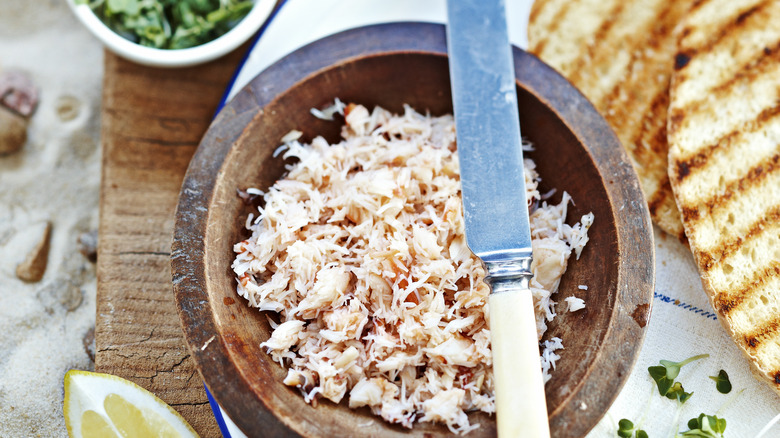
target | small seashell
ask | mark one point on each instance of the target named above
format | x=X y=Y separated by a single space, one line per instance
x=34 y=265
x=88 y=245
x=18 y=93
x=89 y=343
x=68 y=108
x=13 y=131
x=71 y=297
x=60 y=293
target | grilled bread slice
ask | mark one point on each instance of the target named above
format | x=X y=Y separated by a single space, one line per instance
x=724 y=165
x=620 y=54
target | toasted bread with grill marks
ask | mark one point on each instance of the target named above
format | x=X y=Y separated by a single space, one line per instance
x=620 y=54
x=724 y=165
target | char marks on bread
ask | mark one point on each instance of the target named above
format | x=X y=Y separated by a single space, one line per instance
x=620 y=54
x=724 y=162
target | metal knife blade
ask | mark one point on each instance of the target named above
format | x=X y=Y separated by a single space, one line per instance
x=494 y=204
x=488 y=130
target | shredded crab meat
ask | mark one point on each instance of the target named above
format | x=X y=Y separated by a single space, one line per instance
x=360 y=249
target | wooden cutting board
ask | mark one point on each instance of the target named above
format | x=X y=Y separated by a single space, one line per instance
x=152 y=122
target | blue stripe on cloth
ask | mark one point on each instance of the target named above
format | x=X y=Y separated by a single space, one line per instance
x=240 y=67
x=684 y=305
x=217 y=414
x=213 y=403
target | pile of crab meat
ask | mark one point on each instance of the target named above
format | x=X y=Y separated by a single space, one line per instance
x=360 y=251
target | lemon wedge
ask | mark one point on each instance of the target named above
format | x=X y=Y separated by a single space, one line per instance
x=106 y=406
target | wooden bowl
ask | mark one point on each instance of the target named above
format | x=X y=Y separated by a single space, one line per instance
x=390 y=65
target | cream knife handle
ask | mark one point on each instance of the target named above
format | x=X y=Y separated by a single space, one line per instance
x=521 y=409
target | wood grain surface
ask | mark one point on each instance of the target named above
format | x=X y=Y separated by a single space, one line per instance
x=152 y=122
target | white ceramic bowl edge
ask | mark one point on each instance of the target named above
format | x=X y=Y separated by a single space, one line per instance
x=175 y=58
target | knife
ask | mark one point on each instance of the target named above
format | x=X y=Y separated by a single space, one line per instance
x=494 y=205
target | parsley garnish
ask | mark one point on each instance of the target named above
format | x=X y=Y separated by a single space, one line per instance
x=170 y=24
x=722 y=382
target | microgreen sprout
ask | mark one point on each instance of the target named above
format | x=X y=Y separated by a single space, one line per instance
x=705 y=426
x=677 y=392
x=722 y=382
x=664 y=374
x=626 y=429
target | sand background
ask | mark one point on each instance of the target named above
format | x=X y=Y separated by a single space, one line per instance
x=55 y=178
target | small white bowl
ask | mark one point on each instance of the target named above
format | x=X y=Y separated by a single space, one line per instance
x=222 y=45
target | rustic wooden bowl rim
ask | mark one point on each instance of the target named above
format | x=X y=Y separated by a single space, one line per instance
x=615 y=359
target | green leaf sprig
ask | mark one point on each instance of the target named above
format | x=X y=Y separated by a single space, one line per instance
x=677 y=392
x=170 y=24
x=626 y=429
x=664 y=376
x=705 y=426
x=722 y=382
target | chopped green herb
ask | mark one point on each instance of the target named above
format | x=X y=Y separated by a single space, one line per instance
x=722 y=382
x=626 y=429
x=665 y=374
x=706 y=426
x=170 y=24
x=677 y=392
